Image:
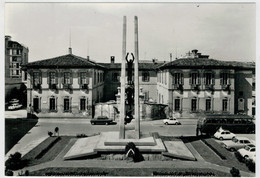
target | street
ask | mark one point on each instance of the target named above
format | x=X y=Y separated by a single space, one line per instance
x=82 y=126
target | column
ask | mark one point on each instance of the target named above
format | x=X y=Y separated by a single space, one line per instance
x=136 y=82
x=122 y=80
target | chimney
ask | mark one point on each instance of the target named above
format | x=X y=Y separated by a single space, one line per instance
x=70 y=50
x=112 y=59
x=8 y=38
x=88 y=58
x=170 y=57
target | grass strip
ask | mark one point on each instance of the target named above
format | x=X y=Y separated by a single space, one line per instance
x=46 y=149
x=215 y=147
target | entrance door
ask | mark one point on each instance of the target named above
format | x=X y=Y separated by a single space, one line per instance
x=35 y=104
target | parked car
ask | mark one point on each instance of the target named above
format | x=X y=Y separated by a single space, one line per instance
x=14 y=100
x=248 y=151
x=236 y=143
x=14 y=106
x=101 y=120
x=224 y=134
x=171 y=120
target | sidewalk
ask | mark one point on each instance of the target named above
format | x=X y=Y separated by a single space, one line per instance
x=22 y=113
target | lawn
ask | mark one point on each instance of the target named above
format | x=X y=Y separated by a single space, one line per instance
x=48 y=150
x=211 y=156
x=15 y=129
x=71 y=171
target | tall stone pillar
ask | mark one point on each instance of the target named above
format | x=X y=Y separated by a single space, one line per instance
x=122 y=80
x=136 y=81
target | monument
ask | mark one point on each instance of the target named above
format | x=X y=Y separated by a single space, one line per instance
x=115 y=142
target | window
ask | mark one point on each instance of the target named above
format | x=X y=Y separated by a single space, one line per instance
x=83 y=104
x=17 y=65
x=194 y=104
x=14 y=52
x=95 y=77
x=177 y=105
x=208 y=78
x=36 y=78
x=177 y=78
x=98 y=78
x=66 y=105
x=52 y=104
x=145 y=77
x=14 y=59
x=52 y=78
x=224 y=104
x=115 y=77
x=224 y=79
x=146 y=95
x=17 y=72
x=84 y=78
x=25 y=76
x=36 y=104
x=208 y=104
x=67 y=76
x=194 y=78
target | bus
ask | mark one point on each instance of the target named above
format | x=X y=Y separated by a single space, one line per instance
x=234 y=123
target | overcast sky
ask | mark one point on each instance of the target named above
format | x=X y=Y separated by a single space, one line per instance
x=223 y=31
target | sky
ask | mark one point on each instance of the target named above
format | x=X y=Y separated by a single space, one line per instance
x=224 y=31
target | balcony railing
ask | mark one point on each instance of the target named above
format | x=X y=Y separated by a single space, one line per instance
x=53 y=86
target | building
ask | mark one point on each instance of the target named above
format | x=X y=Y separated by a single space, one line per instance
x=64 y=86
x=196 y=85
x=71 y=86
x=16 y=55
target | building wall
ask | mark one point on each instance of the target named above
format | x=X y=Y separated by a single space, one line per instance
x=167 y=93
x=243 y=84
x=111 y=86
x=15 y=55
x=74 y=95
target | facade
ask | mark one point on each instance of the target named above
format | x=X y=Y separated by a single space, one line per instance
x=196 y=85
x=16 y=55
x=65 y=86
x=71 y=86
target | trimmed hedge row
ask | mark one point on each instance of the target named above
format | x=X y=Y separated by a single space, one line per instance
x=215 y=147
x=44 y=147
x=250 y=164
x=87 y=173
x=184 y=174
x=137 y=172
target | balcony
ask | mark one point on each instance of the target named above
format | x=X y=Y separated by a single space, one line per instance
x=67 y=87
x=209 y=87
x=178 y=87
x=84 y=87
x=53 y=87
x=37 y=87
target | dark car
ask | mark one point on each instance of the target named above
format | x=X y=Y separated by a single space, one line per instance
x=101 y=120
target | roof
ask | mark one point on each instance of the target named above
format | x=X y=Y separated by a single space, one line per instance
x=69 y=60
x=142 y=65
x=206 y=63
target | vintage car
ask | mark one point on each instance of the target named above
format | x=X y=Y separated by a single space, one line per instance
x=14 y=100
x=15 y=106
x=171 y=121
x=101 y=120
x=248 y=151
x=236 y=143
x=224 y=134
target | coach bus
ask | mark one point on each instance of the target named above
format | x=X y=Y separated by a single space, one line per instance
x=234 y=123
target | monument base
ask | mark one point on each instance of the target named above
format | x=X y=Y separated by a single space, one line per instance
x=109 y=142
